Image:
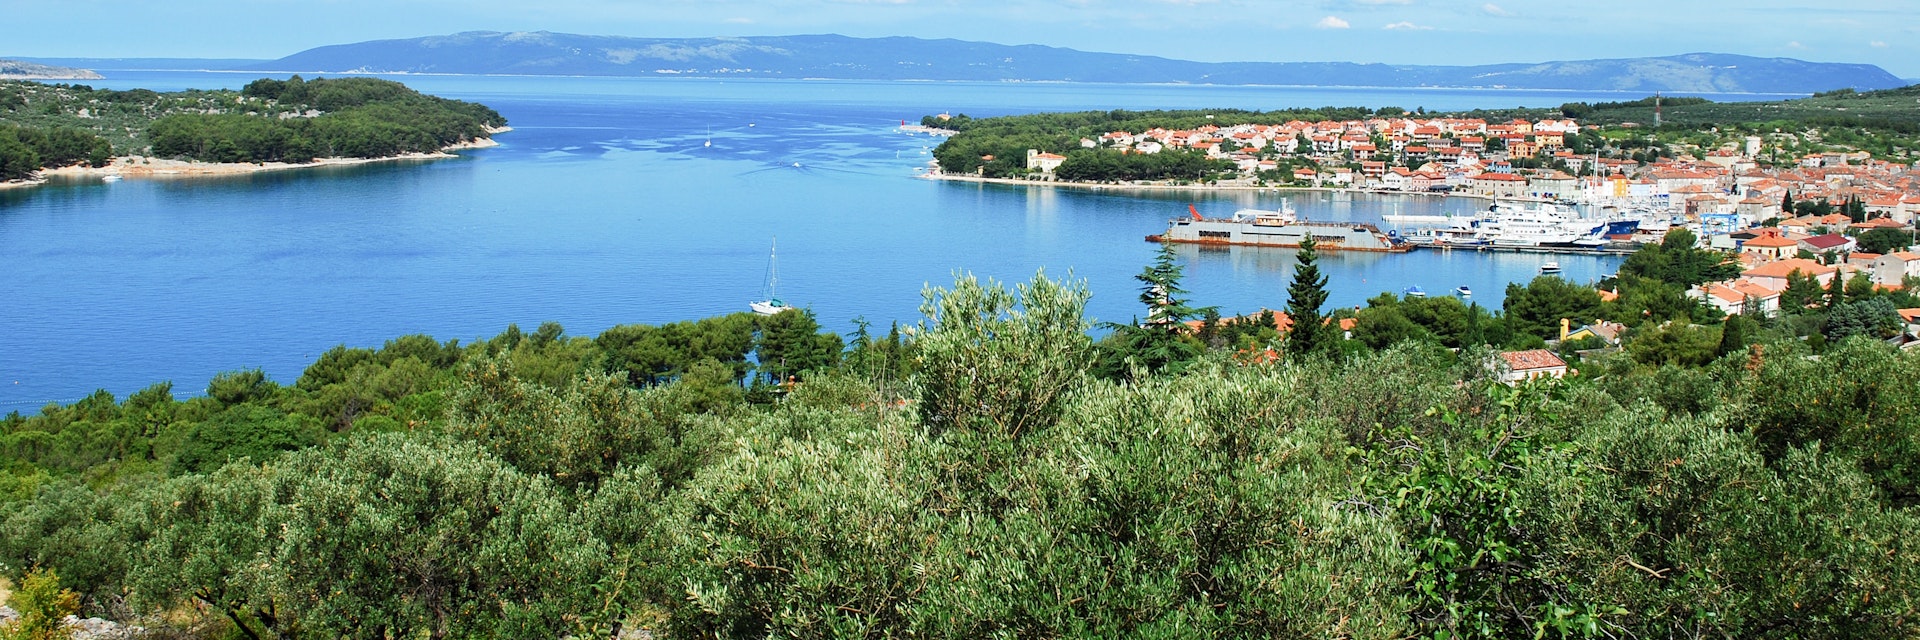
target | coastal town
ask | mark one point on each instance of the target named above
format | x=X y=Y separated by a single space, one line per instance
x=1521 y=159
x=1831 y=214
x=1611 y=332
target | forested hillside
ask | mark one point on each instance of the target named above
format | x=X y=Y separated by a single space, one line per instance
x=995 y=470
x=296 y=120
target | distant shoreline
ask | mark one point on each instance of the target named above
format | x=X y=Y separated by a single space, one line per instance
x=1209 y=188
x=157 y=168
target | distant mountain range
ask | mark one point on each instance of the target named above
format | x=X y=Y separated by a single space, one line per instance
x=842 y=57
x=17 y=70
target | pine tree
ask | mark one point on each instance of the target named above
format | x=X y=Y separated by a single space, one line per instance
x=1803 y=292
x=1162 y=343
x=1308 y=335
x=1786 y=205
x=1160 y=291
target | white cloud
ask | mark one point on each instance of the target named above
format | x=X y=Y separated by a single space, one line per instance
x=1380 y=2
x=1406 y=26
x=1796 y=45
x=739 y=20
x=1332 y=22
x=1496 y=10
x=1877 y=44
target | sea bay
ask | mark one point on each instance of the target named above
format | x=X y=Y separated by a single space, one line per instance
x=607 y=205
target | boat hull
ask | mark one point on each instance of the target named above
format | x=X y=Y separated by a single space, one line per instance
x=1326 y=236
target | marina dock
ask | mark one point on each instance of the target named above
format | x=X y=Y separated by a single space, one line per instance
x=1611 y=249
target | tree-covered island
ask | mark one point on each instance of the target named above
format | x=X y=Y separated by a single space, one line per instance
x=297 y=121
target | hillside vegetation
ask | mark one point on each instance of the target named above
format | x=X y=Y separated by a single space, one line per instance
x=1896 y=109
x=294 y=120
x=997 y=472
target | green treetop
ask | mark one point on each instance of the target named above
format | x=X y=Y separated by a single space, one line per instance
x=1305 y=296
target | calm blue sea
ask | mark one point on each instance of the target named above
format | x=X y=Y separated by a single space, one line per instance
x=606 y=206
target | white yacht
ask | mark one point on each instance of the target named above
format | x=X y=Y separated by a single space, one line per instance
x=772 y=304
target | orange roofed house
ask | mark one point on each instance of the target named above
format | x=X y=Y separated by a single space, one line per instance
x=1518 y=366
x=1773 y=275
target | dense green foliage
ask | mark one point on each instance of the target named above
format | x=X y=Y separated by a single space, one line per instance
x=293 y=120
x=25 y=150
x=358 y=118
x=987 y=473
x=1678 y=259
x=1884 y=241
x=1107 y=165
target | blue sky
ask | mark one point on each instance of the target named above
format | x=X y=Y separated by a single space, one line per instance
x=1882 y=32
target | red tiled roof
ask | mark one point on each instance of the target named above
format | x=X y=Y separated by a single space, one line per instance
x=1532 y=359
x=1784 y=267
x=1769 y=243
x=1828 y=241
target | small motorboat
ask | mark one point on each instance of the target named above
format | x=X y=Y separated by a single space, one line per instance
x=1463 y=291
x=111 y=177
x=1414 y=292
x=1550 y=268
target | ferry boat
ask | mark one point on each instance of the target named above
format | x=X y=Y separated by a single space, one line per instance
x=1281 y=228
x=1544 y=225
x=1506 y=225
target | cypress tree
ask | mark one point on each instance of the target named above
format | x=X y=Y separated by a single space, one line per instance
x=1836 y=290
x=1304 y=297
x=1735 y=332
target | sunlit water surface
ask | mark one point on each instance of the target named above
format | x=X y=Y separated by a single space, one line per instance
x=606 y=205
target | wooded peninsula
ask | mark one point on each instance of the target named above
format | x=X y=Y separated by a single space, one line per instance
x=44 y=126
x=1302 y=147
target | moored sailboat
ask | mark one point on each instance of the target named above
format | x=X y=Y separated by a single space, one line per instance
x=772 y=304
